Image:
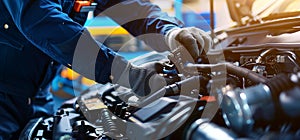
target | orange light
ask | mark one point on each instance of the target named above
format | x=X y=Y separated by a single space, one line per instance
x=208 y=98
x=79 y=4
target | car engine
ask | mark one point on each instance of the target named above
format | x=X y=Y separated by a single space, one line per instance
x=243 y=93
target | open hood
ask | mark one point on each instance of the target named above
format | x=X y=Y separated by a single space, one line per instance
x=239 y=9
x=245 y=12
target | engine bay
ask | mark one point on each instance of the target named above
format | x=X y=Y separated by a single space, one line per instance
x=243 y=93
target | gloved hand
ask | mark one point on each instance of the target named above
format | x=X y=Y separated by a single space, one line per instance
x=193 y=39
x=143 y=79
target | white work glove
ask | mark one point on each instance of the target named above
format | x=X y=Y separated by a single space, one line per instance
x=143 y=80
x=193 y=39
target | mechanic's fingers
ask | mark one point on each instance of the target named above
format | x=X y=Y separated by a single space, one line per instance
x=203 y=39
x=200 y=41
x=185 y=38
x=207 y=40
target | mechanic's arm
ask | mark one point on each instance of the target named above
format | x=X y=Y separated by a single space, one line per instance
x=146 y=21
x=44 y=24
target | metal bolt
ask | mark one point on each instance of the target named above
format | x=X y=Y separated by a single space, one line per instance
x=195 y=91
x=6 y=26
x=294 y=78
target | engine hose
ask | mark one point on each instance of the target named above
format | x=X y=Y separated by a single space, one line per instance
x=263 y=55
x=203 y=129
x=231 y=69
x=278 y=84
x=243 y=72
x=274 y=100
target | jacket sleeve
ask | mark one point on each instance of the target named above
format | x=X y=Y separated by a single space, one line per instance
x=44 y=24
x=141 y=18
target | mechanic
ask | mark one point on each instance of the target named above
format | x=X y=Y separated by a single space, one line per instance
x=38 y=36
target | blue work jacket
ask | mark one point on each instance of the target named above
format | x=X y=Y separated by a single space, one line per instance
x=37 y=36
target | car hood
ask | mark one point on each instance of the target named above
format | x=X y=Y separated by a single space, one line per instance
x=245 y=12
